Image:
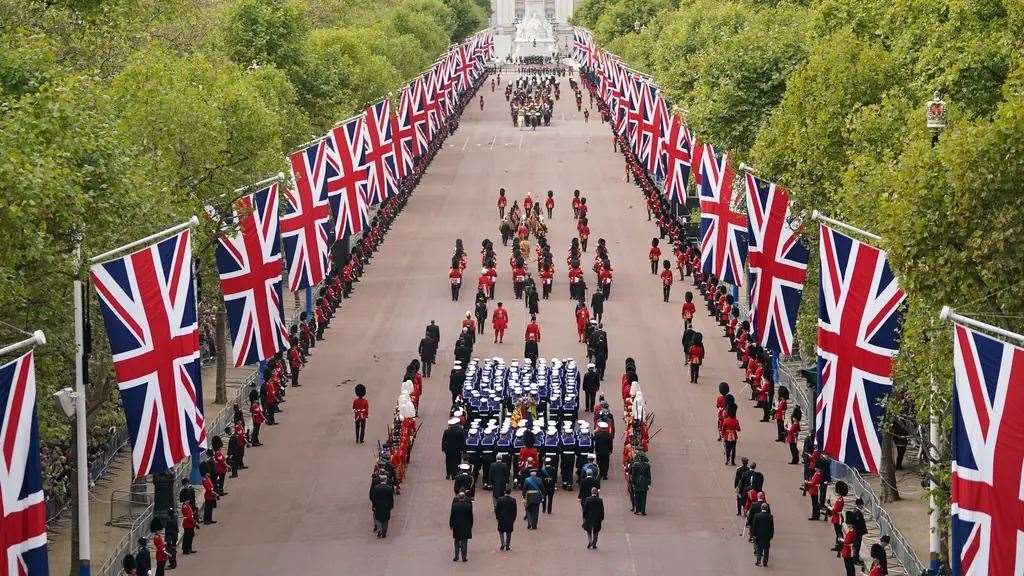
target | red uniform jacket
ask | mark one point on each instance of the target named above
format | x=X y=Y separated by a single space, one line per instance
x=654 y=254
x=208 y=494
x=689 y=310
x=526 y=453
x=547 y=275
x=533 y=332
x=519 y=274
x=792 y=432
x=696 y=354
x=256 y=412
x=814 y=483
x=605 y=276
x=499 y=318
x=220 y=463
x=528 y=203
x=584 y=231
x=295 y=358
x=188 y=516
x=502 y=201
x=837 y=510
x=583 y=209
x=730 y=429
x=576 y=203
x=582 y=318
x=161 y=548
x=550 y=203
x=780 y=410
x=667 y=277
x=848 y=539
x=360 y=408
x=455 y=276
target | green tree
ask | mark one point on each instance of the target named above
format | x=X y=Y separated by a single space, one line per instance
x=265 y=32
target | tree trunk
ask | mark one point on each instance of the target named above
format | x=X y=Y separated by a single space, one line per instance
x=887 y=470
x=222 y=356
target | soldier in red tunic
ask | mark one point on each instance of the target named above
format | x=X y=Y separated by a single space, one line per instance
x=582 y=319
x=576 y=204
x=584 y=233
x=499 y=320
x=502 y=202
x=455 y=279
x=360 y=412
x=547 y=277
x=550 y=203
x=654 y=255
x=666 y=280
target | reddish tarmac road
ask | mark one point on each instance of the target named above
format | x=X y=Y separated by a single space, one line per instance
x=302 y=506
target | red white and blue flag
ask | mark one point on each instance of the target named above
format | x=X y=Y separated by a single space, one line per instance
x=675 y=160
x=584 y=49
x=653 y=128
x=777 y=262
x=403 y=137
x=636 y=112
x=347 y=178
x=859 y=315
x=413 y=114
x=723 y=242
x=250 y=266
x=380 y=152
x=432 y=104
x=306 y=224
x=987 y=500
x=148 y=302
x=22 y=506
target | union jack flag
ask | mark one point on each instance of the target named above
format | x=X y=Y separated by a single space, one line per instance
x=413 y=114
x=988 y=456
x=403 y=135
x=306 y=225
x=723 y=242
x=675 y=160
x=250 y=267
x=465 y=64
x=22 y=506
x=380 y=152
x=347 y=179
x=584 y=50
x=148 y=303
x=636 y=112
x=777 y=261
x=653 y=127
x=858 y=323
x=432 y=105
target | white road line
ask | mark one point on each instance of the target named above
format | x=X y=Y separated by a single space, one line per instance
x=521 y=141
x=466 y=143
x=493 y=138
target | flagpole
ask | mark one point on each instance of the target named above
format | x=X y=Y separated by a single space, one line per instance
x=37 y=338
x=948 y=314
x=275 y=178
x=822 y=218
x=193 y=221
x=81 y=428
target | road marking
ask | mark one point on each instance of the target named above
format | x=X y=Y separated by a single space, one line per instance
x=632 y=557
x=493 y=138
x=521 y=141
x=466 y=143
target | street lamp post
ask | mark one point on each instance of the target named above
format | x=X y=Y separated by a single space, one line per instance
x=935 y=121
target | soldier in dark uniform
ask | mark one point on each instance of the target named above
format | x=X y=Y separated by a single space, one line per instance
x=762 y=529
x=434 y=331
x=455 y=380
x=597 y=303
x=591 y=384
x=601 y=350
x=640 y=480
x=453 y=443
x=603 y=447
x=593 y=516
x=461 y=522
x=464 y=481
x=549 y=476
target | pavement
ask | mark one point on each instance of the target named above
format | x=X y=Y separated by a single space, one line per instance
x=302 y=506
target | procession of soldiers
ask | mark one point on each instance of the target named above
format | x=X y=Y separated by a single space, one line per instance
x=532 y=100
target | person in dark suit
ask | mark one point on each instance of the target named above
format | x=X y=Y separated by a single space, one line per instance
x=740 y=484
x=461 y=522
x=428 y=354
x=763 y=530
x=434 y=331
x=453 y=443
x=593 y=515
x=505 y=512
x=382 y=499
x=591 y=384
x=588 y=483
x=498 y=475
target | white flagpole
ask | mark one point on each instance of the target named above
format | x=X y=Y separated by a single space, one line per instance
x=275 y=178
x=947 y=314
x=193 y=221
x=822 y=218
x=37 y=338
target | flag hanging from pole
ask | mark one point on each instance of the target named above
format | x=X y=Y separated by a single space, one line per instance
x=148 y=302
x=22 y=505
x=859 y=314
x=250 y=267
x=988 y=456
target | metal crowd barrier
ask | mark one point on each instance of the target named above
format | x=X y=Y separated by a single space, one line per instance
x=902 y=551
x=141 y=519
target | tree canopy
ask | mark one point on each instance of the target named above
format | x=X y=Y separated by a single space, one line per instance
x=827 y=98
